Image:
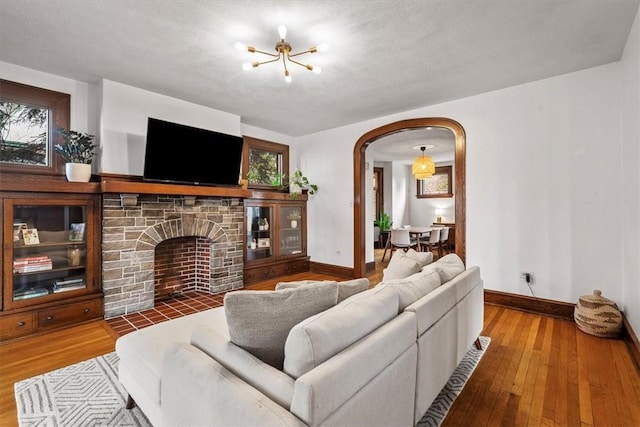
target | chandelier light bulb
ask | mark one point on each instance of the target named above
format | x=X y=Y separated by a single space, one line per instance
x=322 y=47
x=247 y=66
x=287 y=78
x=240 y=46
x=282 y=31
x=317 y=70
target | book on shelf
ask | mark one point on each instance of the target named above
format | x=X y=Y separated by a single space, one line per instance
x=31 y=264
x=33 y=268
x=69 y=281
x=58 y=289
x=30 y=293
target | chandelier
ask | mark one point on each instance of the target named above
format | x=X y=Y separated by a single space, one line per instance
x=284 y=53
x=423 y=166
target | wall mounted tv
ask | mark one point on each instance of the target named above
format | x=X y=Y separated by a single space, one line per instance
x=183 y=154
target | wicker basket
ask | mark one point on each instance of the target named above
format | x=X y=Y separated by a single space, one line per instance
x=597 y=315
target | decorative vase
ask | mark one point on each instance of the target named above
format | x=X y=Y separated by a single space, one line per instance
x=294 y=223
x=598 y=316
x=73 y=254
x=77 y=172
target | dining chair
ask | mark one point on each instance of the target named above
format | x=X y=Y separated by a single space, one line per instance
x=444 y=240
x=432 y=241
x=399 y=238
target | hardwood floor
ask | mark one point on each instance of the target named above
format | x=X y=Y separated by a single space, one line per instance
x=537 y=370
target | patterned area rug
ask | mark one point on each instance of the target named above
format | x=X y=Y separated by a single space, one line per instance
x=89 y=394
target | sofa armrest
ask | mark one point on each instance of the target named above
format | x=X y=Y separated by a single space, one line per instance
x=198 y=391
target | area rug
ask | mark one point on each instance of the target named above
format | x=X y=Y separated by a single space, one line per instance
x=89 y=394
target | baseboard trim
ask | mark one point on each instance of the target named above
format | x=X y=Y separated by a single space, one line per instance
x=632 y=342
x=335 y=270
x=562 y=310
x=370 y=266
x=559 y=309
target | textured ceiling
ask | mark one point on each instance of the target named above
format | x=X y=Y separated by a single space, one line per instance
x=384 y=57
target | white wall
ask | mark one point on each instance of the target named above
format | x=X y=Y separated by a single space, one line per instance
x=123 y=123
x=630 y=65
x=422 y=212
x=543 y=178
x=400 y=183
x=83 y=103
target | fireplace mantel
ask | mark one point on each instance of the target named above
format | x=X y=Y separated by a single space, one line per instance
x=126 y=184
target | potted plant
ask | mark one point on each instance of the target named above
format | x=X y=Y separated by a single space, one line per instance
x=300 y=183
x=384 y=224
x=294 y=216
x=77 y=151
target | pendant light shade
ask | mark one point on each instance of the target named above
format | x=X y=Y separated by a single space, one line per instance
x=423 y=166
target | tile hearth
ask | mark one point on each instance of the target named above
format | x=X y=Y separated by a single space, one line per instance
x=187 y=303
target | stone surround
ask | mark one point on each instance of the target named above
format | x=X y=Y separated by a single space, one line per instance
x=132 y=227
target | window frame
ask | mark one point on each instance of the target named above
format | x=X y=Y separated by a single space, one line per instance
x=272 y=147
x=59 y=106
x=440 y=171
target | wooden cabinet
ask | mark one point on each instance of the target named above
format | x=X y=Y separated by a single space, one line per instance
x=51 y=261
x=275 y=239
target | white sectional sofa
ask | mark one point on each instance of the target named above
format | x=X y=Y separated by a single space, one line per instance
x=377 y=357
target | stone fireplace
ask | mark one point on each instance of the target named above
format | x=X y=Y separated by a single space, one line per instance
x=187 y=242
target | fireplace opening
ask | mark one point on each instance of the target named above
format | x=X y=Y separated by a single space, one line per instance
x=181 y=264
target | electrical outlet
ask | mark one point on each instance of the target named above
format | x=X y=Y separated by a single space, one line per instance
x=528 y=277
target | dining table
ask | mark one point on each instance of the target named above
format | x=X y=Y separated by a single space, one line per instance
x=414 y=232
x=417 y=232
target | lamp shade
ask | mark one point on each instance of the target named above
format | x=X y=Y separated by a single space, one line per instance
x=423 y=167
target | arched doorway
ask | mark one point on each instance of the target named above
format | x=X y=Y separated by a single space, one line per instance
x=359 y=241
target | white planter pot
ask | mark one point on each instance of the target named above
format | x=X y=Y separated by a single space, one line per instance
x=77 y=172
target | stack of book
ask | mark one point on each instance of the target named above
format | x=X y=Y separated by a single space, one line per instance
x=30 y=293
x=69 y=284
x=31 y=264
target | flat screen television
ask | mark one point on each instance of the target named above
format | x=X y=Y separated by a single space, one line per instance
x=184 y=154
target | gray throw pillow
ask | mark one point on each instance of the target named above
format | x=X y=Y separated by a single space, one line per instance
x=260 y=321
x=345 y=288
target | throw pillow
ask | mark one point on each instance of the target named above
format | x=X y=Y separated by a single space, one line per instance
x=345 y=288
x=400 y=266
x=449 y=266
x=422 y=258
x=414 y=287
x=259 y=321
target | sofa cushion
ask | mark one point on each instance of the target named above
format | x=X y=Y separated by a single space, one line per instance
x=400 y=266
x=345 y=288
x=414 y=287
x=449 y=266
x=316 y=339
x=259 y=321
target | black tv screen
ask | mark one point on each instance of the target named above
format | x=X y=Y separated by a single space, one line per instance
x=184 y=154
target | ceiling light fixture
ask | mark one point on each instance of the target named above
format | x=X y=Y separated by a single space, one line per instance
x=284 y=52
x=423 y=166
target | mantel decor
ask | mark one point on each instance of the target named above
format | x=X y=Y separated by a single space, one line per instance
x=77 y=151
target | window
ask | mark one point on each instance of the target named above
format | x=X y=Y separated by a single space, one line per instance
x=29 y=117
x=265 y=163
x=438 y=185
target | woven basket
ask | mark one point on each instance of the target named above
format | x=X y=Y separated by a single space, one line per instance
x=597 y=315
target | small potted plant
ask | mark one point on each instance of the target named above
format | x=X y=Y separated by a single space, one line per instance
x=384 y=224
x=294 y=216
x=300 y=183
x=77 y=151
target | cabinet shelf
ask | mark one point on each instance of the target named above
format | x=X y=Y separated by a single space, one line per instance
x=69 y=292
x=286 y=253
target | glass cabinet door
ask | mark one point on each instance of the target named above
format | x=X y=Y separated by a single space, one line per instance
x=258 y=232
x=290 y=230
x=49 y=250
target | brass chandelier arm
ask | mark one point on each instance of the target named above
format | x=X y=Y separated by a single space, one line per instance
x=307 y=66
x=254 y=50
x=311 y=50
x=257 y=64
